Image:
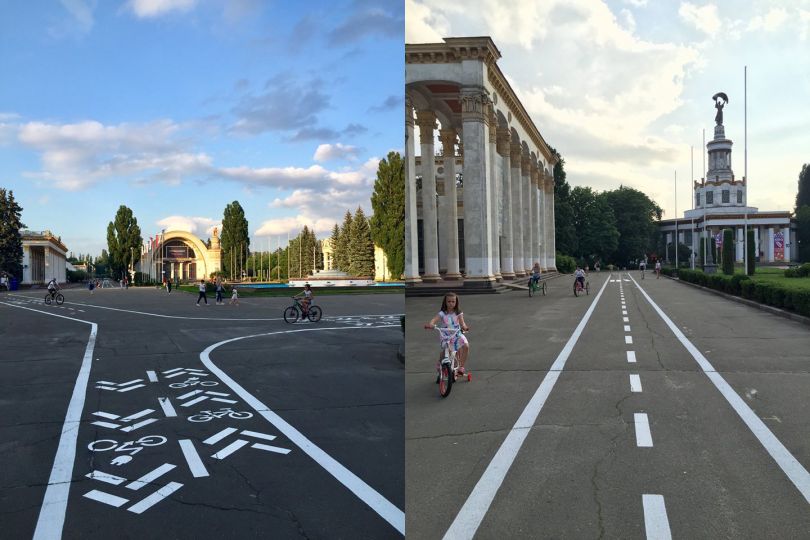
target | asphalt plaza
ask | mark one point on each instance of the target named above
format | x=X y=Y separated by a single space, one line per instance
x=190 y=422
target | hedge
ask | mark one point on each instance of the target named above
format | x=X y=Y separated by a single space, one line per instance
x=798 y=271
x=771 y=294
x=565 y=264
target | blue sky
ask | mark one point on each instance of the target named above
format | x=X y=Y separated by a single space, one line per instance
x=177 y=107
x=622 y=88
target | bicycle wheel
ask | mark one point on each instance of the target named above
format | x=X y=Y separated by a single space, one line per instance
x=445 y=380
x=48 y=299
x=291 y=314
x=208 y=383
x=531 y=290
x=152 y=440
x=243 y=415
x=545 y=288
x=200 y=418
x=60 y=299
x=314 y=313
x=93 y=446
x=576 y=293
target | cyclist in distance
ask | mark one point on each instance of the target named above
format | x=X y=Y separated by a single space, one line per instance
x=452 y=317
x=579 y=274
x=307 y=301
x=535 y=277
x=53 y=286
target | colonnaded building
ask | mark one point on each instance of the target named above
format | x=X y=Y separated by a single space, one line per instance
x=180 y=255
x=482 y=209
x=44 y=257
x=721 y=202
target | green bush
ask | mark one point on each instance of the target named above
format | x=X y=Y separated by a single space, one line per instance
x=751 y=253
x=728 y=252
x=798 y=271
x=76 y=276
x=565 y=264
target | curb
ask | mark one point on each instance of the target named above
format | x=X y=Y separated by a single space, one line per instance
x=751 y=303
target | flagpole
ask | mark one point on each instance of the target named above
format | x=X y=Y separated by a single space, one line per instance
x=675 y=244
x=692 y=177
x=745 y=174
x=703 y=184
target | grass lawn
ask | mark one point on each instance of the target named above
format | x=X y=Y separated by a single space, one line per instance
x=777 y=276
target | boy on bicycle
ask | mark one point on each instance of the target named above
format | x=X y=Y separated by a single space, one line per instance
x=53 y=287
x=580 y=276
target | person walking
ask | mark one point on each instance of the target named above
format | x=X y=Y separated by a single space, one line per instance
x=234 y=297
x=169 y=285
x=202 y=293
x=220 y=288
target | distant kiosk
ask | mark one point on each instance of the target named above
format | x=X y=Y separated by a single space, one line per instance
x=331 y=278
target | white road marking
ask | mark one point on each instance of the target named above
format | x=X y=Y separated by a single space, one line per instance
x=643 y=435
x=138 y=415
x=625 y=319
x=269 y=448
x=656 y=524
x=155 y=497
x=174 y=374
x=133 y=427
x=789 y=464
x=107 y=415
x=258 y=435
x=195 y=464
x=231 y=401
x=230 y=449
x=105 y=477
x=468 y=520
x=384 y=508
x=131 y=388
x=189 y=394
x=194 y=401
x=626 y=328
x=628 y=340
x=102 y=497
x=218 y=394
x=152 y=376
x=213 y=439
x=166 y=405
x=52 y=512
x=106 y=424
x=624 y=312
x=172 y=370
x=148 y=477
x=631 y=357
x=635 y=383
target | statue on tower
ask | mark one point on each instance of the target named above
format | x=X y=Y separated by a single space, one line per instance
x=720 y=100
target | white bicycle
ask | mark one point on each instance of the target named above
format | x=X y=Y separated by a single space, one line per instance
x=207 y=416
x=448 y=367
x=193 y=381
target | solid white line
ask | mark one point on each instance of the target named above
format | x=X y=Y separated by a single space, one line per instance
x=625 y=319
x=789 y=464
x=155 y=497
x=193 y=401
x=626 y=328
x=384 y=508
x=230 y=449
x=631 y=357
x=223 y=394
x=152 y=376
x=175 y=375
x=133 y=381
x=106 y=382
x=195 y=464
x=635 y=383
x=258 y=435
x=628 y=340
x=101 y=497
x=166 y=405
x=52 y=513
x=137 y=415
x=269 y=448
x=105 y=477
x=148 y=477
x=467 y=521
x=643 y=435
x=656 y=523
x=215 y=438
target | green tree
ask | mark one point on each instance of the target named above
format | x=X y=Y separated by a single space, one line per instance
x=594 y=219
x=11 y=251
x=342 y=254
x=752 y=257
x=335 y=240
x=637 y=218
x=234 y=240
x=565 y=231
x=361 y=246
x=388 y=203
x=302 y=248
x=728 y=252
x=803 y=193
x=803 y=232
x=124 y=241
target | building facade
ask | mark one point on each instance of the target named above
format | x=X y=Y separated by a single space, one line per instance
x=721 y=202
x=44 y=258
x=481 y=209
x=181 y=256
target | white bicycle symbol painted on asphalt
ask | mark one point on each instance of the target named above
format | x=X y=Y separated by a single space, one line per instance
x=193 y=381
x=133 y=447
x=207 y=416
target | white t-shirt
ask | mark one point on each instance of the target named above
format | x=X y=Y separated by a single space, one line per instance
x=202 y=287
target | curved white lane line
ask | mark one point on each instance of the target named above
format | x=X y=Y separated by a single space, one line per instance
x=794 y=470
x=387 y=510
x=54 y=506
x=202 y=318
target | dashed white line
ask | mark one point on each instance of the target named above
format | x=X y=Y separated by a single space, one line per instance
x=643 y=435
x=230 y=449
x=152 y=376
x=628 y=340
x=105 y=498
x=626 y=328
x=631 y=357
x=155 y=498
x=625 y=319
x=105 y=477
x=215 y=438
x=148 y=477
x=656 y=523
x=635 y=383
x=258 y=435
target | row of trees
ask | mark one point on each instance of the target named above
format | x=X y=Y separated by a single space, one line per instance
x=617 y=226
x=353 y=245
x=803 y=214
x=11 y=251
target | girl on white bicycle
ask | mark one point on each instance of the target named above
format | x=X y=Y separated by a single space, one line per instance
x=452 y=317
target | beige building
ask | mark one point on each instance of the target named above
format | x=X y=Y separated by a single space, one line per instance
x=44 y=257
x=380 y=261
x=180 y=256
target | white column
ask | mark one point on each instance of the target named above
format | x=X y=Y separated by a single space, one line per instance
x=507 y=257
x=786 y=234
x=535 y=252
x=517 y=211
x=551 y=252
x=411 y=232
x=477 y=228
x=740 y=251
x=450 y=232
x=541 y=221
x=427 y=123
x=494 y=194
x=769 y=246
x=525 y=179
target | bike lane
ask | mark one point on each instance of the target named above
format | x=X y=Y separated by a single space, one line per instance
x=607 y=446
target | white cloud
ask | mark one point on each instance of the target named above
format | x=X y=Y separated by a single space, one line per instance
x=804 y=24
x=770 y=22
x=629 y=20
x=328 y=152
x=155 y=8
x=705 y=18
x=636 y=3
x=423 y=26
x=198 y=226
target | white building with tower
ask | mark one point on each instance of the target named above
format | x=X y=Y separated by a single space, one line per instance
x=721 y=202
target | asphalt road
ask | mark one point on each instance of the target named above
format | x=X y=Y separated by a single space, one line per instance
x=567 y=438
x=200 y=422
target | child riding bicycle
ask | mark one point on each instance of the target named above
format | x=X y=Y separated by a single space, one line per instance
x=306 y=301
x=535 y=277
x=451 y=317
x=579 y=274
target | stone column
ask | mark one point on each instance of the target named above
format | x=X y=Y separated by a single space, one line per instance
x=739 y=253
x=786 y=234
x=411 y=232
x=517 y=211
x=535 y=247
x=507 y=258
x=540 y=218
x=525 y=191
x=494 y=194
x=551 y=250
x=427 y=123
x=769 y=245
x=450 y=232
x=477 y=229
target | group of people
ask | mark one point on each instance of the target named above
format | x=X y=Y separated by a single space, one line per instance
x=220 y=288
x=642 y=266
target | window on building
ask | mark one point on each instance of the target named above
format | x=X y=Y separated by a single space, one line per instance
x=739 y=197
x=697 y=199
x=726 y=196
x=709 y=197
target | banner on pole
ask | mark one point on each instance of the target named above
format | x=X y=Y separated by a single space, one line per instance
x=779 y=247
